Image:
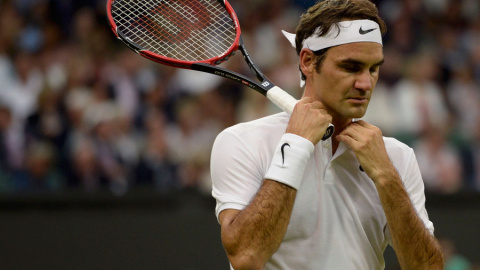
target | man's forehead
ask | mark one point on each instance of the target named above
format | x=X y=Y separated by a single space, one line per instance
x=359 y=51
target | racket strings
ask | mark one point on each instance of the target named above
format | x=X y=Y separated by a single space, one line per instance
x=188 y=30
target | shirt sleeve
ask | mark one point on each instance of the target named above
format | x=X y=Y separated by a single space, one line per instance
x=413 y=183
x=235 y=171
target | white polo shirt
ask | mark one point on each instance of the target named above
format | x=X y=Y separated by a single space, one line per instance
x=337 y=220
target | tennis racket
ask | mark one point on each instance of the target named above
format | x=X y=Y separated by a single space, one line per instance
x=191 y=34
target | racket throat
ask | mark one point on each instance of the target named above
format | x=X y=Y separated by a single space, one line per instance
x=260 y=76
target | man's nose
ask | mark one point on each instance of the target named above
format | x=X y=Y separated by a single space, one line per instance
x=364 y=81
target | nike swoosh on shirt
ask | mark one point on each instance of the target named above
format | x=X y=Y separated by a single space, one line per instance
x=363 y=32
x=283 y=154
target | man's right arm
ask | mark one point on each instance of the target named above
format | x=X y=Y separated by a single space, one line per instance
x=251 y=236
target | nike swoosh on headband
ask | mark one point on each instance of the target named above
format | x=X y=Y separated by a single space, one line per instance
x=363 y=32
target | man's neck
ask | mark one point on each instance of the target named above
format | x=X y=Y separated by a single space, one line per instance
x=340 y=125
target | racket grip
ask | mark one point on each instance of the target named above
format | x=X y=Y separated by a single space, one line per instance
x=282 y=99
x=287 y=103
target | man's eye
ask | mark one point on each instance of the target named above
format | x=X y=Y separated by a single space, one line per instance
x=351 y=68
x=374 y=69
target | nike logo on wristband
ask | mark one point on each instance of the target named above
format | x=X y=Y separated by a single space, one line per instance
x=283 y=155
x=363 y=32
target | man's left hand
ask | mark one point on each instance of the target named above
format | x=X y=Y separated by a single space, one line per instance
x=367 y=143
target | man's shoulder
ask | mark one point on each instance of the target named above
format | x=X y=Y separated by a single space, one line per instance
x=393 y=142
x=258 y=136
x=396 y=148
x=263 y=127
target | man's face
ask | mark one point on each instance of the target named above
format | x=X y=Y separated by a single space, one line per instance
x=345 y=80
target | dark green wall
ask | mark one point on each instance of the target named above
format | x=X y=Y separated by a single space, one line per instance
x=144 y=230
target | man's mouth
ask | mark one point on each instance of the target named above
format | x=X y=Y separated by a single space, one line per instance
x=357 y=100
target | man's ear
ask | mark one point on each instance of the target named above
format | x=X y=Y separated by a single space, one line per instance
x=307 y=62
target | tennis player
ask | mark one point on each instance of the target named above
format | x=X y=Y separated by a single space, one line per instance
x=287 y=200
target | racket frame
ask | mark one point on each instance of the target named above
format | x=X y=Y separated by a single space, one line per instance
x=208 y=65
x=264 y=86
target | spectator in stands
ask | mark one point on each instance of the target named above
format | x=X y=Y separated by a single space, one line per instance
x=41 y=172
x=419 y=103
x=463 y=92
x=190 y=140
x=439 y=162
x=84 y=170
x=155 y=166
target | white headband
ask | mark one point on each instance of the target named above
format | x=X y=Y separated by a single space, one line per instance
x=346 y=32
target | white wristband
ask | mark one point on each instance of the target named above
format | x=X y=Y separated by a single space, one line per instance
x=289 y=160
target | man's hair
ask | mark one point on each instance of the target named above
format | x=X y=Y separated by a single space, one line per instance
x=326 y=14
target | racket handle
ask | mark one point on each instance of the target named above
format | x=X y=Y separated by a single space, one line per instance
x=282 y=99
x=286 y=102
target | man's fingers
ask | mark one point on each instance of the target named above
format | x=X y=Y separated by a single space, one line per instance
x=353 y=130
x=361 y=129
x=346 y=139
x=306 y=100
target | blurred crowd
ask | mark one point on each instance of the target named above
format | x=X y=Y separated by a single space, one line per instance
x=79 y=110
